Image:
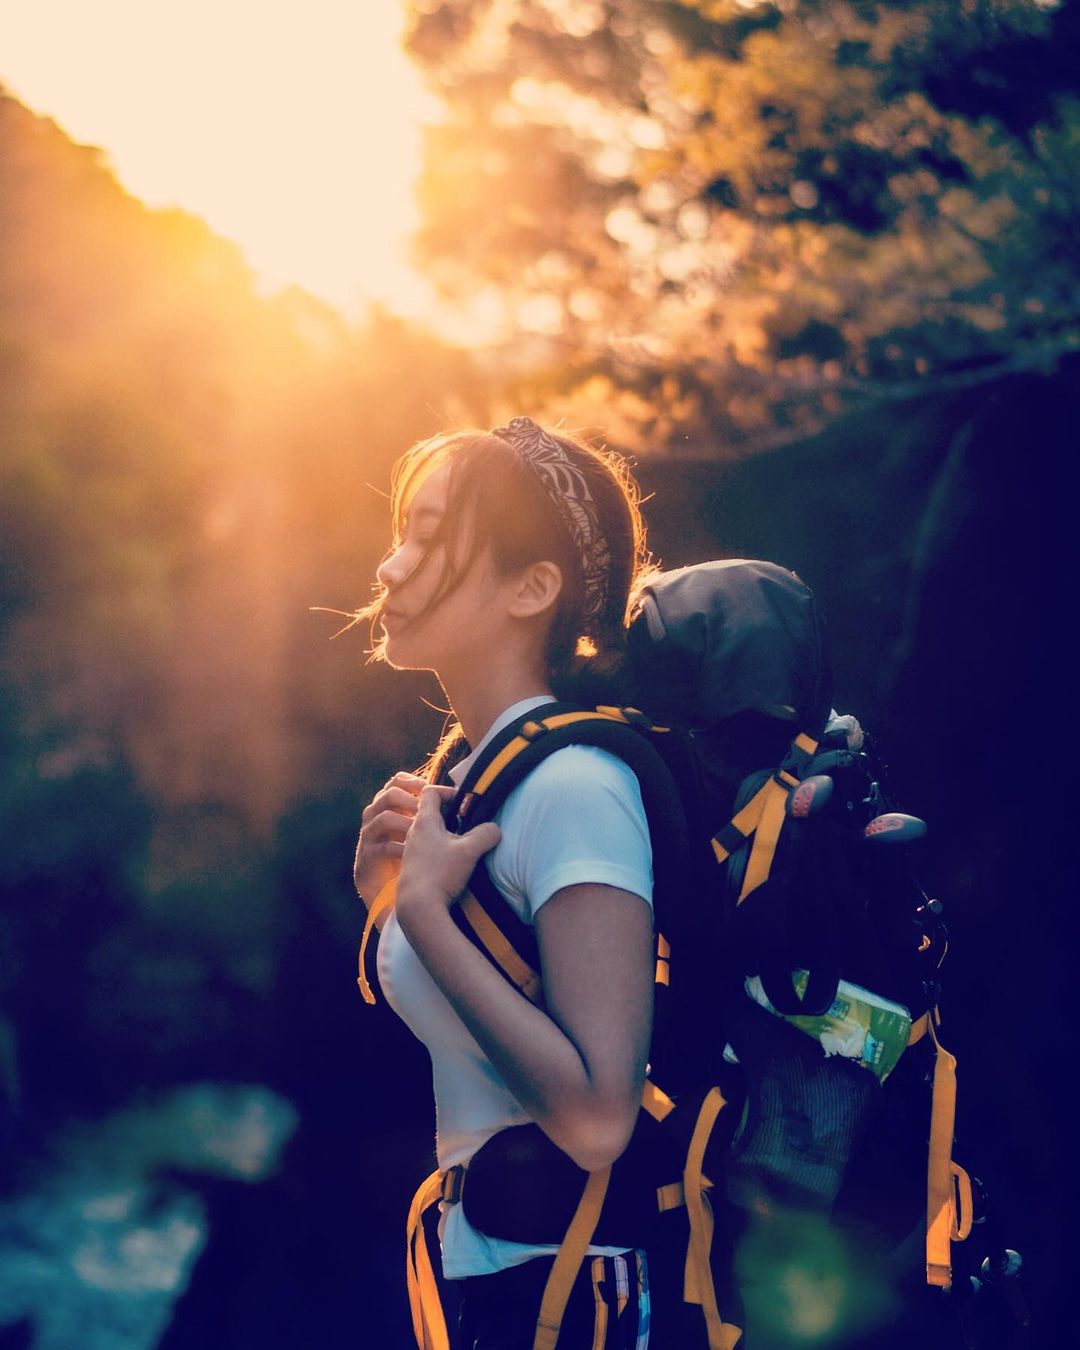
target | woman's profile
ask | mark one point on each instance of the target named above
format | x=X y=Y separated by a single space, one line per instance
x=515 y=557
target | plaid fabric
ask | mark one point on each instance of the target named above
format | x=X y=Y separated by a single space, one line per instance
x=608 y=1307
x=613 y=1306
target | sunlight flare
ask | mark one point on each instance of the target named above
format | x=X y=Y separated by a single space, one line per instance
x=292 y=130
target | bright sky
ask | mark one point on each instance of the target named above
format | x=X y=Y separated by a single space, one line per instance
x=290 y=128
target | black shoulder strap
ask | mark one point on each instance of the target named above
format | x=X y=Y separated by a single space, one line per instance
x=485 y=916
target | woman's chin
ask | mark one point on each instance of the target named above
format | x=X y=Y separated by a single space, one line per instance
x=398 y=657
x=394 y=658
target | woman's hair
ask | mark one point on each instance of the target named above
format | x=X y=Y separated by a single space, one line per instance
x=498 y=499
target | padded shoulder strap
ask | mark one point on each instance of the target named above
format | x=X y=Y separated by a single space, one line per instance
x=512 y=755
x=486 y=918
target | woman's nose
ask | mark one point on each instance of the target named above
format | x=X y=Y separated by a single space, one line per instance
x=394 y=568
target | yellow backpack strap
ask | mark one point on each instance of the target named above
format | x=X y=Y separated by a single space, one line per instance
x=429 y=1324
x=737 y=831
x=655 y=1101
x=529 y=732
x=763 y=817
x=948 y=1187
x=663 y=961
x=767 y=834
x=567 y=1263
x=699 y=1286
x=919 y=1029
x=376 y=916
x=499 y=950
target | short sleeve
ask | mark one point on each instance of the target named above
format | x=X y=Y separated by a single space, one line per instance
x=578 y=818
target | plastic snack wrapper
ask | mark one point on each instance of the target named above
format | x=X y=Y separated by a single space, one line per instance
x=858 y=1024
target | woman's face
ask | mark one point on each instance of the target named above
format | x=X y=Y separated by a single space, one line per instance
x=453 y=631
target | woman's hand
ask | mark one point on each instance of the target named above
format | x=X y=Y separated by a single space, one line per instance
x=385 y=823
x=437 y=864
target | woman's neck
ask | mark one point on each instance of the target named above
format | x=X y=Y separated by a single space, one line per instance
x=477 y=704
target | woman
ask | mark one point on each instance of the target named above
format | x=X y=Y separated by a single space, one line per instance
x=515 y=556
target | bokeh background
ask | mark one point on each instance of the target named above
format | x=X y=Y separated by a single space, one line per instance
x=815 y=265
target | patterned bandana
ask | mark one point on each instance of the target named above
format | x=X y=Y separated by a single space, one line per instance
x=569 y=491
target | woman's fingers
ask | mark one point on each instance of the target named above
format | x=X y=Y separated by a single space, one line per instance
x=438 y=863
x=389 y=848
x=394 y=798
x=481 y=839
x=387 y=823
x=431 y=800
x=473 y=843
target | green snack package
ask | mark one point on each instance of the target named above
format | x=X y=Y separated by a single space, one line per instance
x=858 y=1024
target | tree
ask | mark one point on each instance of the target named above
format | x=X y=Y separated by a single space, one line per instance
x=730 y=218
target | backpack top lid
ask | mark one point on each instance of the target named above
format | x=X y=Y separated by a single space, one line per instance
x=720 y=638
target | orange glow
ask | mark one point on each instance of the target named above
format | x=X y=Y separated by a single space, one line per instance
x=293 y=130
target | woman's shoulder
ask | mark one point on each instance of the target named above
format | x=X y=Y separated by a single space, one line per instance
x=577 y=775
x=578 y=817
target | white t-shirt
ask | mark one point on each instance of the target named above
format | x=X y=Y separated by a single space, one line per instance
x=577 y=818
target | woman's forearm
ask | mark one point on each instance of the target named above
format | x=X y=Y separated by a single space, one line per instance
x=588 y=1110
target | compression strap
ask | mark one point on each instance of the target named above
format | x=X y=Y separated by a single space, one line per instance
x=376 y=917
x=655 y=1102
x=763 y=817
x=569 y=1258
x=663 y=961
x=429 y=1324
x=919 y=1029
x=699 y=1286
x=497 y=947
x=767 y=834
x=948 y=1187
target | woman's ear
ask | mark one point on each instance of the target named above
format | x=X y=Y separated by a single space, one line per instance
x=536 y=589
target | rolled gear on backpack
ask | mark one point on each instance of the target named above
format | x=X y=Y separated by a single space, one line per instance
x=733 y=652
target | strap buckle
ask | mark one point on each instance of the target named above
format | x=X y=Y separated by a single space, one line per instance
x=453 y=1183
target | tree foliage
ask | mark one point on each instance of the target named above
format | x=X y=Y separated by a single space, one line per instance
x=724 y=219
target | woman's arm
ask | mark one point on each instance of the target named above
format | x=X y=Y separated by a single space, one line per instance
x=577 y=1066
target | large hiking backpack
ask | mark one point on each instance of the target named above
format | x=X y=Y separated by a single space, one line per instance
x=785 y=913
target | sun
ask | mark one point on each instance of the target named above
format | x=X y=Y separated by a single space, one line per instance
x=293 y=130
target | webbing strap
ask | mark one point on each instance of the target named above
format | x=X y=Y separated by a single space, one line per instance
x=429 y=1324
x=803 y=749
x=376 y=917
x=698 y=1285
x=655 y=1101
x=964 y=1216
x=568 y=1260
x=739 y=830
x=452 y=1184
x=767 y=834
x=631 y=717
x=600 y=1313
x=671 y=1196
x=763 y=817
x=919 y=1028
x=500 y=950
x=948 y=1189
x=662 y=974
